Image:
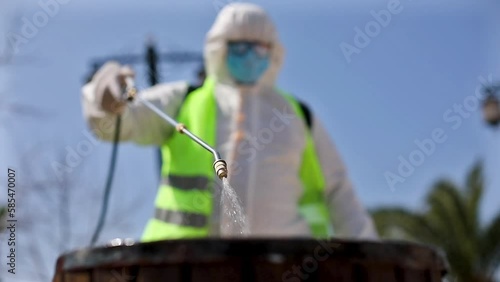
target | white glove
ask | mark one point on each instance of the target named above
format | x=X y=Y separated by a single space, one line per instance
x=109 y=86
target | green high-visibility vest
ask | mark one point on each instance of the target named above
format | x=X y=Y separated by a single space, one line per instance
x=184 y=201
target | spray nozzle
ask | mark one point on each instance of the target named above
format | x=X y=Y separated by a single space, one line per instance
x=220 y=167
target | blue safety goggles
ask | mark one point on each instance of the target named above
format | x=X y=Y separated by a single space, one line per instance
x=242 y=48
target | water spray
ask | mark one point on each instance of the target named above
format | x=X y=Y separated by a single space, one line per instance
x=220 y=166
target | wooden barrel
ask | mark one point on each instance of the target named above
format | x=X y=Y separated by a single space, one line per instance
x=253 y=260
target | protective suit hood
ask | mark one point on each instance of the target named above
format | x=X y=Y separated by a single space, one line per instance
x=241 y=21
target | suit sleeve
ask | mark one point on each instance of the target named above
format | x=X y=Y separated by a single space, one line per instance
x=348 y=216
x=139 y=124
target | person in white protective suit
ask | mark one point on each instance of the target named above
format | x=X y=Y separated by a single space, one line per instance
x=269 y=139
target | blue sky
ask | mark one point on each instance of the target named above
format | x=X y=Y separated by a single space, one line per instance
x=396 y=90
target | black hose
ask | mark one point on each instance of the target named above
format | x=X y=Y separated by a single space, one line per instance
x=109 y=182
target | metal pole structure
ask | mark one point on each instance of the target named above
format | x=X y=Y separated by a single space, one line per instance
x=152 y=66
x=172 y=57
x=152 y=63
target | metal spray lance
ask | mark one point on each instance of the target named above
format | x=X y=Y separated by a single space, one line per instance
x=220 y=165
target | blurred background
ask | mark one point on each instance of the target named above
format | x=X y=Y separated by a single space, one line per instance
x=381 y=92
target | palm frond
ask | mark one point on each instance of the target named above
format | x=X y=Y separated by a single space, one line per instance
x=490 y=246
x=410 y=225
x=447 y=205
x=451 y=222
x=474 y=192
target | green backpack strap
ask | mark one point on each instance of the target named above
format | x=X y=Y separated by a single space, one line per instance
x=306 y=114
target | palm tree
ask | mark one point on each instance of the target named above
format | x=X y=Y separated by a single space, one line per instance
x=450 y=221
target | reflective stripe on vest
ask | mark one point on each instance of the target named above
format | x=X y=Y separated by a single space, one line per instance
x=184 y=201
x=186 y=182
x=181 y=218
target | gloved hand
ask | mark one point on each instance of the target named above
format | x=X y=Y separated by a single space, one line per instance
x=109 y=84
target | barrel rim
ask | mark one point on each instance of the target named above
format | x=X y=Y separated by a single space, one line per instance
x=182 y=251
